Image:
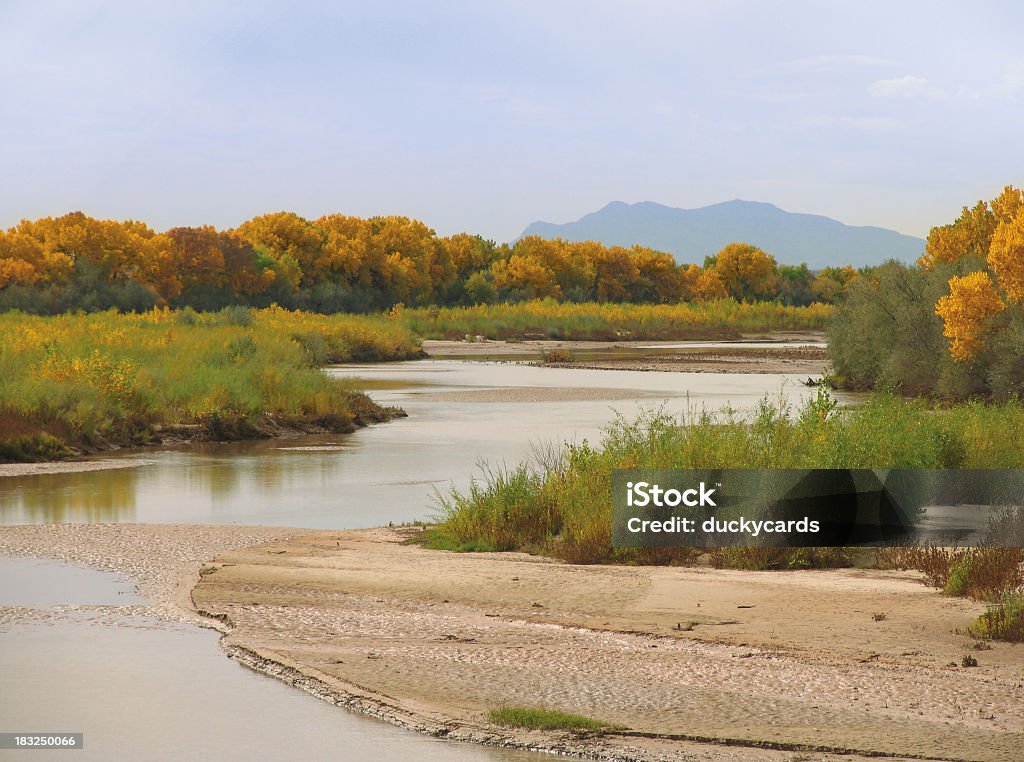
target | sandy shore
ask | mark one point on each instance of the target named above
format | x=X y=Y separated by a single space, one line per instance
x=67 y=466
x=810 y=361
x=772 y=356
x=785 y=665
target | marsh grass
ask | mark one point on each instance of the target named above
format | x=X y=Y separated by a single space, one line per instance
x=548 y=319
x=561 y=506
x=546 y=719
x=102 y=379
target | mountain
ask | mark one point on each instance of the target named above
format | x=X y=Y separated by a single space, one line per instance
x=692 y=234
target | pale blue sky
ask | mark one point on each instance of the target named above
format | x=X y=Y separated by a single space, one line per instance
x=485 y=116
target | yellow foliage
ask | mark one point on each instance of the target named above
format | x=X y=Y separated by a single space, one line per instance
x=17 y=271
x=746 y=271
x=972 y=300
x=1006 y=256
x=709 y=286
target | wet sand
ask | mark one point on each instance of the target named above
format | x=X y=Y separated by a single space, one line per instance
x=67 y=466
x=696 y=663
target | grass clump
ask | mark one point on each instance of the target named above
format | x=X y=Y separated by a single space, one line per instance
x=554 y=356
x=762 y=559
x=1003 y=621
x=545 y=719
x=561 y=506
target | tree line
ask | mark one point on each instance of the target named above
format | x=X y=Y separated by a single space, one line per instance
x=340 y=263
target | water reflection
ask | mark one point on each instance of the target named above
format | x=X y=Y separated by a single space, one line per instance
x=88 y=497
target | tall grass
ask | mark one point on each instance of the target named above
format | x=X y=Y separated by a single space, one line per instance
x=554 y=320
x=89 y=381
x=563 y=507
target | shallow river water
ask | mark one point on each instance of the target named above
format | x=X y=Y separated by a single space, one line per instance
x=460 y=414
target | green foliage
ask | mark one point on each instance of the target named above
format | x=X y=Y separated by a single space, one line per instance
x=31 y=448
x=1003 y=621
x=545 y=719
x=886 y=335
x=562 y=507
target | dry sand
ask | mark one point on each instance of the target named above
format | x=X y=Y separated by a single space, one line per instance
x=659 y=356
x=690 y=660
x=812 y=361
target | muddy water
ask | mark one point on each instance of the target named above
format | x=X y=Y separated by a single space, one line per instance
x=460 y=414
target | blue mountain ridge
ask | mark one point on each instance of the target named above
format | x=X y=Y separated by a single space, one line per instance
x=692 y=234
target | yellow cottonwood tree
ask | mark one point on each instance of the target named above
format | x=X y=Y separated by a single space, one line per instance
x=1006 y=256
x=971 y=301
x=747 y=271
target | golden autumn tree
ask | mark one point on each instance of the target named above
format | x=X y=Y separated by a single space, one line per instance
x=971 y=233
x=709 y=285
x=16 y=272
x=570 y=264
x=118 y=251
x=525 y=277
x=291 y=241
x=966 y=311
x=616 y=273
x=1006 y=254
x=405 y=259
x=344 y=257
x=746 y=271
x=659 y=279
x=33 y=263
x=829 y=284
x=206 y=257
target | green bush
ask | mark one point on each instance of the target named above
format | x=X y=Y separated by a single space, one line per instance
x=562 y=507
x=1003 y=621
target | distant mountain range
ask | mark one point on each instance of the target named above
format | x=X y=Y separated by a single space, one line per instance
x=692 y=234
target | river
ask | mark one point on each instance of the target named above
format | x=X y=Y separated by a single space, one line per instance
x=146 y=689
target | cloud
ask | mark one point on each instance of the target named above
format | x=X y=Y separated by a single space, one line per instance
x=904 y=87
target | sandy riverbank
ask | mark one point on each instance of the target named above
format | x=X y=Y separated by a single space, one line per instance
x=431 y=640
x=774 y=355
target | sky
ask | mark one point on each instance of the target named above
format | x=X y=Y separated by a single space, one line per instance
x=486 y=116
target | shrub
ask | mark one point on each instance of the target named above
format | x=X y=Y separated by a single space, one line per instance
x=1003 y=621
